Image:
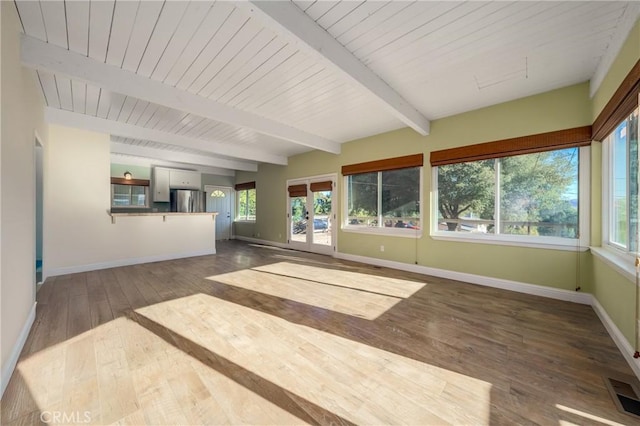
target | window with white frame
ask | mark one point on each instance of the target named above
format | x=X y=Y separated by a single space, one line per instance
x=384 y=201
x=620 y=173
x=532 y=198
x=129 y=196
x=246 y=201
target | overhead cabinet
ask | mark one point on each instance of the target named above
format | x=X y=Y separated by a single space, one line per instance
x=184 y=179
x=166 y=179
x=160 y=185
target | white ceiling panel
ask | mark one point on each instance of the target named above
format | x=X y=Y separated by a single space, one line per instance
x=100 y=14
x=117 y=101
x=77 y=15
x=49 y=89
x=55 y=22
x=178 y=38
x=92 y=94
x=79 y=93
x=200 y=47
x=31 y=18
x=440 y=57
x=164 y=29
x=124 y=18
x=64 y=92
x=143 y=27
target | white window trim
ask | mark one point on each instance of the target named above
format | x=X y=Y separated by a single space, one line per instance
x=553 y=243
x=611 y=253
x=147 y=203
x=236 y=207
x=375 y=230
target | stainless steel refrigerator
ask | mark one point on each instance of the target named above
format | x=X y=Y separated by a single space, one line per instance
x=187 y=201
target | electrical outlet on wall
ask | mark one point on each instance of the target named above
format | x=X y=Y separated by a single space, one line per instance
x=381 y=248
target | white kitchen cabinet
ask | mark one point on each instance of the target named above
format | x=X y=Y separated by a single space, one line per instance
x=160 y=185
x=184 y=179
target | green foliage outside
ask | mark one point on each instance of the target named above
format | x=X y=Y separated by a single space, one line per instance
x=398 y=194
x=247 y=204
x=538 y=193
x=466 y=188
x=298 y=208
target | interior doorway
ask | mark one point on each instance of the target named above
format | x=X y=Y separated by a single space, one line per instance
x=39 y=213
x=311 y=215
x=219 y=199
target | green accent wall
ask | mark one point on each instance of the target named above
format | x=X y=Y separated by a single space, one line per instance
x=559 y=109
x=137 y=172
x=616 y=295
x=625 y=60
x=217 y=180
x=248 y=229
x=615 y=292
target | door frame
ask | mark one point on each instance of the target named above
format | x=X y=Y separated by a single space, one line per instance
x=38 y=144
x=232 y=199
x=308 y=245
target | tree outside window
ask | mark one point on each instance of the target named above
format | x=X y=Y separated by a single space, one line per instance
x=623 y=185
x=537 y=195
x=246 y=204
x=386 y=199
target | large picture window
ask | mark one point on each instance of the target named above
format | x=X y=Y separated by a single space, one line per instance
x=530 y=194
x=621 y=184
x=525 y=191
x=386 y=201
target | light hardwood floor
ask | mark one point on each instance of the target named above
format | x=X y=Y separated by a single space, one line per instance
x=260 y=335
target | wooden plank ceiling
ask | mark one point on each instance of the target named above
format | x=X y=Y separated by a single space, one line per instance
x=239 y=83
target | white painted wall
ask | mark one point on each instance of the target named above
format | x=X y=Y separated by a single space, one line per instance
x=21 y=114
x=79 y=234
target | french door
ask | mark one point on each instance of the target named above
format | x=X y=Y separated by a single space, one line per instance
x=310 y=214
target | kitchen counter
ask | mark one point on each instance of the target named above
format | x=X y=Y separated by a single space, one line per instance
x=163 y=214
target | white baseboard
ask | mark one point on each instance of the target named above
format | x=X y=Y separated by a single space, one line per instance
x=621 y=342
x=537 y=290
x=618 y=338
x=125 y=262
x=263 y=242
x=7 y=369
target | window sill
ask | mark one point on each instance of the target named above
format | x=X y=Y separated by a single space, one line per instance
x=620 y=262
x=389 y=232
x=244 y=221
x=548 y=244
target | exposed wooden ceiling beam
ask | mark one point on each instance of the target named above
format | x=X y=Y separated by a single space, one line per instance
x=181 y=157
x=134 y=160
x=289 y=20
x=44 y=56
x=87 y=122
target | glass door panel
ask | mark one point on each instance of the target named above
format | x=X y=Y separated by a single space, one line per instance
x=310 y=214
x=299 y=218
x=322 y=218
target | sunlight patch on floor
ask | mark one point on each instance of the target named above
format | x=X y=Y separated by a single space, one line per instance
x=584 y=415
x=357 y=382
x=394 y=287
x=121 y=372
x=344 y=300
x=350 y=293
